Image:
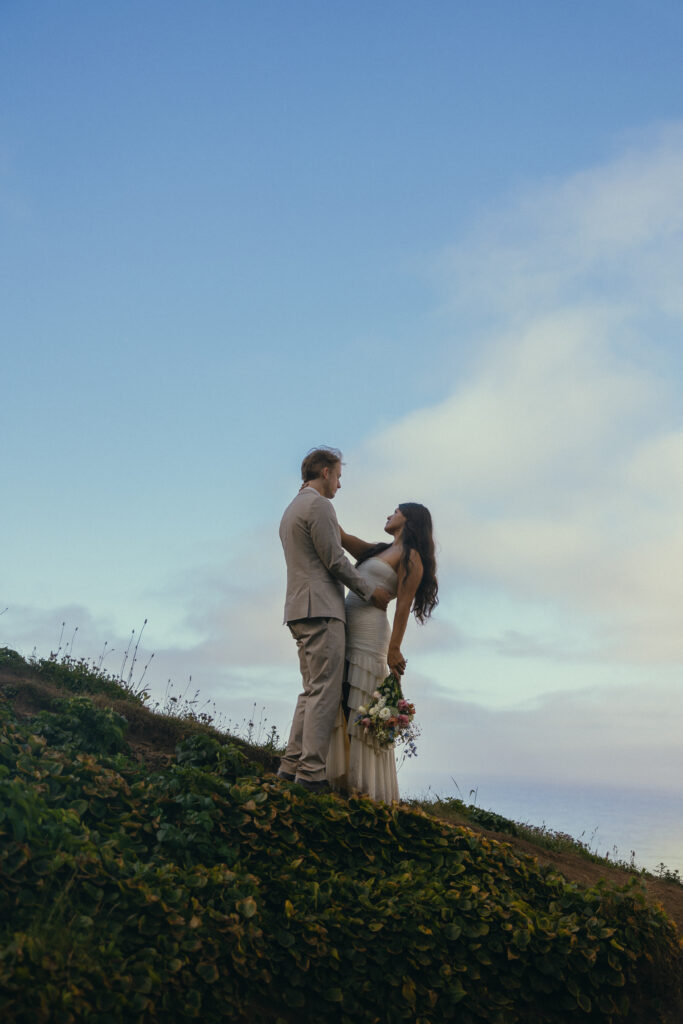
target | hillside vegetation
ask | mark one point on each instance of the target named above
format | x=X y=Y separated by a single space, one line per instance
x=200 y=887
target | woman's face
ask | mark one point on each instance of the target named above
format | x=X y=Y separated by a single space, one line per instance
x=395 y=522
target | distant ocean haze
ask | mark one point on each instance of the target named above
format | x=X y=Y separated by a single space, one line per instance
x=610 y=820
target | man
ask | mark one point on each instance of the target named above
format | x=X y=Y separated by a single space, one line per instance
x=317 y=570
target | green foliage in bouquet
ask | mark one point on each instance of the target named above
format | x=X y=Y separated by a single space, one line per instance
x=210 y=892
x=389 y=718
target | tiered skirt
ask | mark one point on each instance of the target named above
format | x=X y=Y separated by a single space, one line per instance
x=355 y=762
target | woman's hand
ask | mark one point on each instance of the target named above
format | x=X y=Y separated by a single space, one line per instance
x=397 y=663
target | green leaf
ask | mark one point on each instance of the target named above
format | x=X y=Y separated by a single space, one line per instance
x=294 y=997
x=193 y=1000
x=208 y=972
x=408 y=991
x=247 y=907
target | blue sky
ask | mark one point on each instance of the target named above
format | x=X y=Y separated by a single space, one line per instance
x=444 y=237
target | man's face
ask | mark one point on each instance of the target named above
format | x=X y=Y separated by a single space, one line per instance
x=331 y=480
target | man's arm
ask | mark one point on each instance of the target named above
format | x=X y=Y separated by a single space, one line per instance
x=325 y=537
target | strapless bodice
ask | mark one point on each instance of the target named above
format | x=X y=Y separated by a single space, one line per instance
x=368 y=627
x=380 y=574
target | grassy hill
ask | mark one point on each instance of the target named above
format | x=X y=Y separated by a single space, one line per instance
x=155 y=870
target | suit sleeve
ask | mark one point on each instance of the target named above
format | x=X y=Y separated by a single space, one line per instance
x=325 y=537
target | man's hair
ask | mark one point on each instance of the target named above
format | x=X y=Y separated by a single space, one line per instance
x=316 y=460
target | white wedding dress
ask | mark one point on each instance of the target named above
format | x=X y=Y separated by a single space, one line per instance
x=355 y=764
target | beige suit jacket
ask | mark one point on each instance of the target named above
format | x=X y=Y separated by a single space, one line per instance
x=317 y=568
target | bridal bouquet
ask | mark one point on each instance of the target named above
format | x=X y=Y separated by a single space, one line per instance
x=388 y=718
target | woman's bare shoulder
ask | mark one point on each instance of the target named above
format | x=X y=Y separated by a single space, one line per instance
x=415 y=567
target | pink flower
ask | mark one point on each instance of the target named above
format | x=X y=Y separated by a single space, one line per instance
x=402 y=705
x=403 y=720
x=366 y=722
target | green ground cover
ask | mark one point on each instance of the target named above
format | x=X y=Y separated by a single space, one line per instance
x=208 y=890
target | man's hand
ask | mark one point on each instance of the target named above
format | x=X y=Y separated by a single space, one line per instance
x=396 y=662
x=381 y=598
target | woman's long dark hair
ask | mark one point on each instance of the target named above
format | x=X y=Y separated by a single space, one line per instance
x=416 y=536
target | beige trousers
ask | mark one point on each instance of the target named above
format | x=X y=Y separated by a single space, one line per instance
x=321 y=644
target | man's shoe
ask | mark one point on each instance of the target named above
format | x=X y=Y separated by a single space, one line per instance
x=314 y=787
x=287 y=776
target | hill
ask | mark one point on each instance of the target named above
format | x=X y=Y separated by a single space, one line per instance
x=153 y=871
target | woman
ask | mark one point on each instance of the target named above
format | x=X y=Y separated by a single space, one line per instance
x=406 y=568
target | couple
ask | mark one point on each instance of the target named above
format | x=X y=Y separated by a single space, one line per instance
x=345 y=647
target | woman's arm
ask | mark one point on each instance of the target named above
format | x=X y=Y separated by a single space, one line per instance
x=354 y=545
x=408 y=582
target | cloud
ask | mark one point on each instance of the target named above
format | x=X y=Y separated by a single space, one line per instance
x=515 y=644
x=233 y=608
x=622 y=735
x=553 y=469
x=611 y=231
x=71 y=629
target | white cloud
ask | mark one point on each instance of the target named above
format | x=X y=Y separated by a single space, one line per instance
x=71 y=629
x=553 y=470
x=610 y=231
x=234 y=607
x=617 y=735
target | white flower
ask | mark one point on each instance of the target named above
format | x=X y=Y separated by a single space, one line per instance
x=376 y=695
x=362 y=710
x=382 y=701
x=385 y=713
x=373 y=712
